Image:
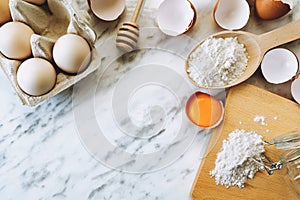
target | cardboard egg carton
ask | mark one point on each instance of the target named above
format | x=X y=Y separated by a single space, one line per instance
x=48 y=22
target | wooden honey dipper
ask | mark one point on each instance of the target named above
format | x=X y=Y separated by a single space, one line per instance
x=128 y=34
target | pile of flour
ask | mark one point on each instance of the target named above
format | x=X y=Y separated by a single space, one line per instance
x=217 y=62
x=234 y=163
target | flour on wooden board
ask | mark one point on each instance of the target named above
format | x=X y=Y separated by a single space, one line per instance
x=234 y=163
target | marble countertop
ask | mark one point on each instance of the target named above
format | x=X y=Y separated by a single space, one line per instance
x=122 y=132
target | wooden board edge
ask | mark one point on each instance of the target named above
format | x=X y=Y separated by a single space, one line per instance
x=211 y=143
x=215 y=134
x=263 y=90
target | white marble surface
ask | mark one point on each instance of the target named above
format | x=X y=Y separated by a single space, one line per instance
x=44 y=152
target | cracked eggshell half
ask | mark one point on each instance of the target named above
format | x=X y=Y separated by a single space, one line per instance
x=279 y=65
x=107 y=10
x=175 y=17
x=231 y=14
x=272 y=9
x=295 y=89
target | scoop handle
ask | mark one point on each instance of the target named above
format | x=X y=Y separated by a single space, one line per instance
x=279 y=36
x=137 y=10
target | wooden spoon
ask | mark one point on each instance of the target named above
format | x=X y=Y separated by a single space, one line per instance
x=256 y=46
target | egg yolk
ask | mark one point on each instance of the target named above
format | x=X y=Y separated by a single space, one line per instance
x=204 y=110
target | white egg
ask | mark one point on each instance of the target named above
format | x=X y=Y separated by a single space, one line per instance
x=71 y=53
x=232 y=14
x=15 y=40
x=279 y=65
x=36 y=76
x=107 y=10
x=175 y=17
x=37 y=2
x=5 y=11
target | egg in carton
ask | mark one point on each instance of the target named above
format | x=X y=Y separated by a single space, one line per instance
x=49 y=22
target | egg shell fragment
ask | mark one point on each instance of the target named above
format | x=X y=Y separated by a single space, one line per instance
x=107 y=10
x=295 y=89
x=232 y=14
x=175 y=17
x=36 y=76
x=272 y=9
x=15 y=40
x=279 y=65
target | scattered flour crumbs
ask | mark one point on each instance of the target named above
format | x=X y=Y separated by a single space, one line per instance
x=234 y=163
x=260 y=119
x=217 y=62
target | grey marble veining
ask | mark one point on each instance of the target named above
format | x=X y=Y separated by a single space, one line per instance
x=43 y=154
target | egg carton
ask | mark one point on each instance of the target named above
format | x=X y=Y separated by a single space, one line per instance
x=49 y=22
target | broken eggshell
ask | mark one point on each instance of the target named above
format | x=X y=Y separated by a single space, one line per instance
x=279 y=65
x=272 y=9
x=295 y=89
x=107 y=10
x=175 y=17
x=231 y=14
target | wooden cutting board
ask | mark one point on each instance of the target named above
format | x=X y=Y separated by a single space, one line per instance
x=243 y=103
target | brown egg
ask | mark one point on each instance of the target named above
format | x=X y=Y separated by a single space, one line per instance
x=36 y=76
x=271 y=9
x=15 y=40
x=5 y=12
x=72 y=53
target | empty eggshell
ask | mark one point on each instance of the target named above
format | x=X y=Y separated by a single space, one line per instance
x=272 y=9
x=295 y=89
x=5 y=11
x=175 y=17
x=279 y=65
x=15 y=40
x=36 y=76
x=71 y=53
x=231 y=14
x=107 y=10
x=37 y=2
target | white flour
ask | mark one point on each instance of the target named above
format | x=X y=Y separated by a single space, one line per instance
x=260 y=119
x=217 y=62
x=234 y=163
